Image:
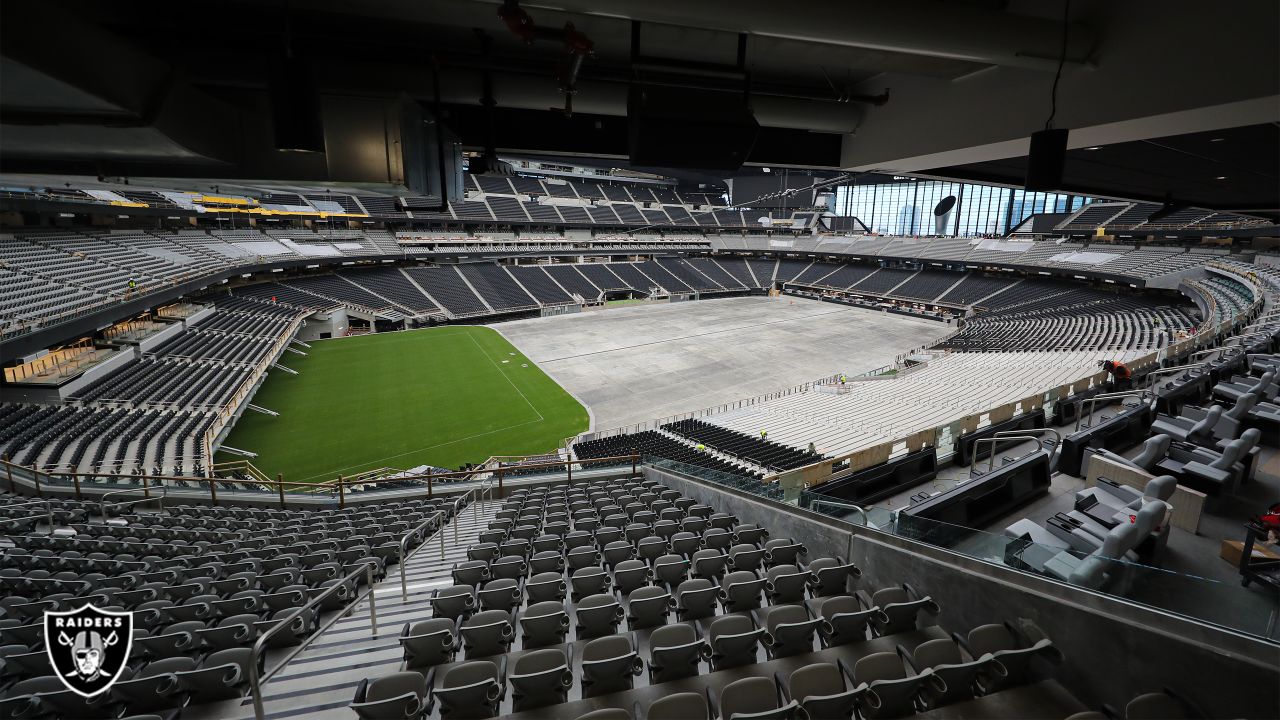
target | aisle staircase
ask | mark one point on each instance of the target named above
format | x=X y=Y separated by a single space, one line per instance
x=322 y=679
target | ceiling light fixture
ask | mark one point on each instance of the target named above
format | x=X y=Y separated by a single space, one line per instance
x=1221 y=177
x=1216 y=139
x=1095 y=147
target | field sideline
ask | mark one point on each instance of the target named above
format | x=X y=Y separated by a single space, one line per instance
x=443 y=396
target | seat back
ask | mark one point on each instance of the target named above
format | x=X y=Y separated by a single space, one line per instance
x=500 y=594
x=631 y=574
x=670 y=569
x=608 y=665
x=889 y=691
x=741 y=591
x=898 y=612
x=1153 y=451
x=830 y=576
x=951 y=678
x=1155 y=706
x=470 y=690
x=844 y=619
x=649 y=607
x=599 y=615
x=675 y=651
x=1149 y=517
x=544 y=623
x=755 y=698
x=679 y=706
x=546 y=586
x=789 y=630
x=733 y=640
x=1231 y=454
x=428 y=642
x=695 y=599
x=1160 y=488
x=540 y=678
x=1000 y=644
x=487 y=633
x=821 y=692
x=395 y=695
x=1203 y=430
x=1243 y=405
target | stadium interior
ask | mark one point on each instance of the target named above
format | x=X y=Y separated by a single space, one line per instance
x=643 y=359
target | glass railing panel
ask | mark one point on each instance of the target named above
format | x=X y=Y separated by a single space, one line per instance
x=1220 y=602
x=740 y=482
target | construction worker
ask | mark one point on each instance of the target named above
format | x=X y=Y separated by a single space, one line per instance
x=1120 y=373
x=764 y=434
x=700 y=447
x=842 y=378
x=813 y=449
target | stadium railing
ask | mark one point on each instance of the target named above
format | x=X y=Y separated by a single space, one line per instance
x=481 y=475
x=28 y=479
x=256 y=678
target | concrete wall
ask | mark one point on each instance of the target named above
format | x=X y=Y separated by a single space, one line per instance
x=1115 y=649
x=332 y=322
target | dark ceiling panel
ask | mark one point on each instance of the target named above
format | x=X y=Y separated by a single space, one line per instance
x=516 y=130
x=1233 y=169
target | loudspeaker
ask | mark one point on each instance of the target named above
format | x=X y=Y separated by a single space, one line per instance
x=1046 y=159
x=679 y=127
x=942 y=214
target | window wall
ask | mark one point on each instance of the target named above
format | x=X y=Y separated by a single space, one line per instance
x=906 y=207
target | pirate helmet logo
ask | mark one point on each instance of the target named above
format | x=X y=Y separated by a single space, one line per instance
x=88 y=647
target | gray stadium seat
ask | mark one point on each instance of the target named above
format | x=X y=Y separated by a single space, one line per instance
x=821 y=691
x=609 y=664
x=675 y=652
x=598 y=615
x=471 y=690
x=543 y=624
x=789 y=630
x=756 y=698
x=887 y=690
x=733 y=640
x=399 y=695
x=540 y=678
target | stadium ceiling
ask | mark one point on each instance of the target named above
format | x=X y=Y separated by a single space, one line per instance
x=145 y=87
x=1234 y=169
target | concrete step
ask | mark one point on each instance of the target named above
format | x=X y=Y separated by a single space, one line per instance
x=322 y=679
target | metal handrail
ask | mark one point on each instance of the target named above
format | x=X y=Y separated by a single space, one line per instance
x=1012 y=435
x=1169 y=371
x=48 y=508
x=1234 y=338
x=102 y=501
x=1093 y=402
x=404 y=542
x=1209 y=351
x=843 y=506
x=255 y=682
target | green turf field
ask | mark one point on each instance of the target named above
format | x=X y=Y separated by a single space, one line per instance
x=443 y=397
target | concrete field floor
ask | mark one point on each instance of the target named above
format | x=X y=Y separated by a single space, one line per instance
x=637 y=363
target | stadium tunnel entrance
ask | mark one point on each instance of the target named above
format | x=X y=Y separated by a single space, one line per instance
x=610 y=295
